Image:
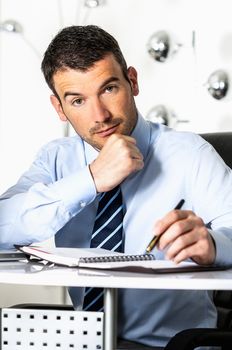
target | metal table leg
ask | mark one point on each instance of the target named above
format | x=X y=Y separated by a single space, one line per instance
x=110 y=311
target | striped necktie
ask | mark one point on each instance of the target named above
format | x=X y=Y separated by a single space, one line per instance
x=107 y=234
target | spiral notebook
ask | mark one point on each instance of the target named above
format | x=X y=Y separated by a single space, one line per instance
x=102 y=259
x=82 y=257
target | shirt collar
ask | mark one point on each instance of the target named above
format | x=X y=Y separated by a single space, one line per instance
x=142 y=135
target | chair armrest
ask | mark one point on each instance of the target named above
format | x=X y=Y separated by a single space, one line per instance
x=189 y=339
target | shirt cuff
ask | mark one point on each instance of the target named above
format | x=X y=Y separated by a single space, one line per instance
x=76 y=190
x=223 y=247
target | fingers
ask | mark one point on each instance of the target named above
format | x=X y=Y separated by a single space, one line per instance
x=125 y=149
x=193 y=243
x=184 y=236
x=117 y=160
x=174 y=224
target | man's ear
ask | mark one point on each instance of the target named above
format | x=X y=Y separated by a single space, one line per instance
x=132 y=75
x=58 y=107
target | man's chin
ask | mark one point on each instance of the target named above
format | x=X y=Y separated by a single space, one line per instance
x=99 y=142
x=96 y=144
x=99 y=139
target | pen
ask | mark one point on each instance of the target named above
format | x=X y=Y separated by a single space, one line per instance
x=155 y=239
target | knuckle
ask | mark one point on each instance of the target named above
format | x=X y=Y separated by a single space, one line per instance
x=158 y=227
x=181 y=240
x=205 y=233
x=127 y=155
x=130 y=164
x=120 y=141
x=175 y=215
x=191 y=213
x=201 y=249
x=199 y=221
x=184 y=252
x=114 y=137
x=124 y=144
x=179 y=228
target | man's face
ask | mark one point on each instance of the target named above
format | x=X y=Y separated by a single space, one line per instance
x=97 y=102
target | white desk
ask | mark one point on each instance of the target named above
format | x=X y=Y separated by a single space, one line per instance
x=28 y=274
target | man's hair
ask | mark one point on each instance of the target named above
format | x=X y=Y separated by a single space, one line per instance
x=79 y=47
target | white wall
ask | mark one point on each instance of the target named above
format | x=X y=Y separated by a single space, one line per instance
x=27 y=120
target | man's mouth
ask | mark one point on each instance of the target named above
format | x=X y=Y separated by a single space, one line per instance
x=108 y=131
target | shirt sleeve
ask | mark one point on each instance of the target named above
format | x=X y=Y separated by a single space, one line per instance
x=211 y=193
x=39 y=205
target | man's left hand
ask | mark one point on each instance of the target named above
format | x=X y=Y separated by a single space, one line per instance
x=185 y=235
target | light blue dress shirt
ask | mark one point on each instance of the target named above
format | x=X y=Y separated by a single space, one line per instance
x=57 y=196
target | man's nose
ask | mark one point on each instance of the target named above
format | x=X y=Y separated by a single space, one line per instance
x=99 y=111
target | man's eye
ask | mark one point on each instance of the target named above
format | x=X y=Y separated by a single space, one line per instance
x=110 y=88
x=77 y=101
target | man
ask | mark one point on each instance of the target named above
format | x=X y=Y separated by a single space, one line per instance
x=155 y=167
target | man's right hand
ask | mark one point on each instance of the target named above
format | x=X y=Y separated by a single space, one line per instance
x=118 y=158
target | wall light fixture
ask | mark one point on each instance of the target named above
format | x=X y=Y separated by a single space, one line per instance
x=163 y=115
x=11 y=26
x=218 y=84
x=162 y=46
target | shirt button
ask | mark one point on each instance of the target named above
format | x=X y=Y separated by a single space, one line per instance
x=82 y=204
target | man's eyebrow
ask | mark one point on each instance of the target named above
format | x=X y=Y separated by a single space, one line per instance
x=107 y=81
x=71 y=93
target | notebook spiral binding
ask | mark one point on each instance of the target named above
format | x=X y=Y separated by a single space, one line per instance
x=117 y=258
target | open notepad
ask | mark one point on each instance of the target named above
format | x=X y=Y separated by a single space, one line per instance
x=97 y=258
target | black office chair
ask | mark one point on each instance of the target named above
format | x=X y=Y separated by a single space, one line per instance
x=222 y=142
x=189 y=339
